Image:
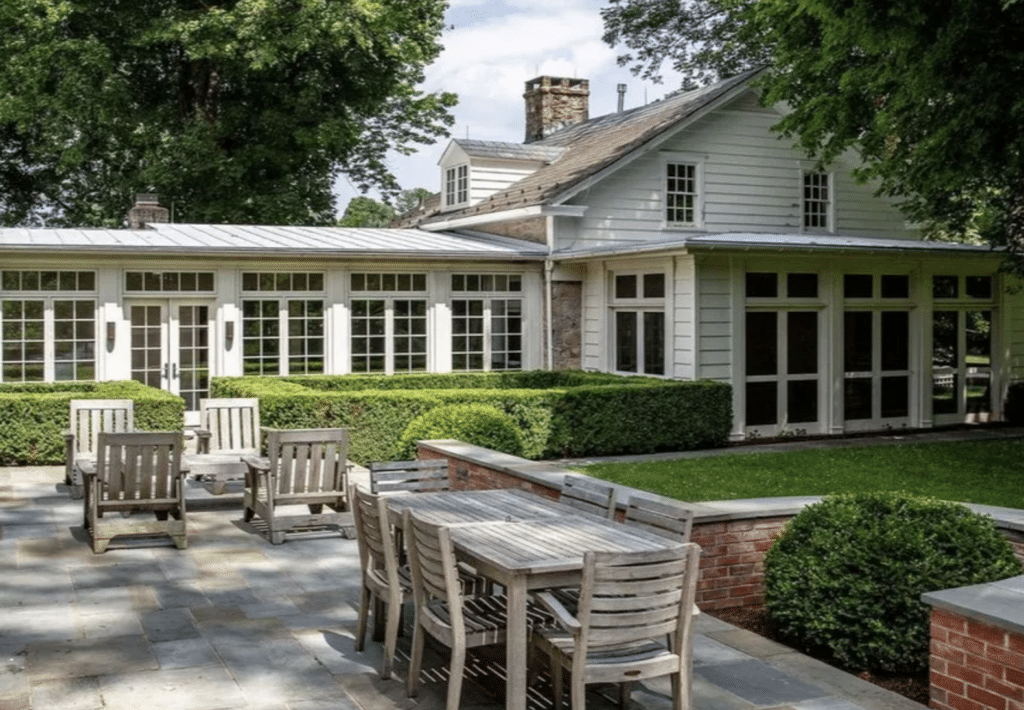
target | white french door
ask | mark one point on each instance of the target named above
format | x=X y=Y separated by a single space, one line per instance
x=170 y=347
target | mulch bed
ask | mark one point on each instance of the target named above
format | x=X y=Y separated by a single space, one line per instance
x=756 y=619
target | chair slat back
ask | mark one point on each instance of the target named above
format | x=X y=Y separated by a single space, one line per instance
x=672 y=521
x=627 y=597
x=434 y=572
x=589 y=496
x=142 y=466
x=90 y=417
x=233 y=423
x=409 y=476
x=374 y=535
x=308 y=460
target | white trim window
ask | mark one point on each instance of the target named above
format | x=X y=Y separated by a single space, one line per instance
x=388 y=323
x=638 y=323
x=682 y=199
x=817 y=201
x=964 y=339
x=487 y=322
x=47 y=336
x=456 y=186
x=283 y=316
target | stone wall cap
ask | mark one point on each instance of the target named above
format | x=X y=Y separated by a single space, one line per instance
x=999 y=604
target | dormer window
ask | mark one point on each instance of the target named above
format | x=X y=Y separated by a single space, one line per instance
x=817 y=202
x=456 y=186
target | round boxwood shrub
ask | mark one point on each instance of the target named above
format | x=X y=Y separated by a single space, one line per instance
x=476 y=424
x=846 y=575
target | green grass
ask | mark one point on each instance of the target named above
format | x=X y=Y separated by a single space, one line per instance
x=988 y=472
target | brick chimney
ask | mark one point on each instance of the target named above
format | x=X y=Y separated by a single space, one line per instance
x=147 y=210
x=553 y=103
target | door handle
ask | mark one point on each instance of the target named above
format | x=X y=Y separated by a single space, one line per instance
x=174 y=370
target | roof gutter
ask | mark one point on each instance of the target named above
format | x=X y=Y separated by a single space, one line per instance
x=505 y=216
x=332 y=254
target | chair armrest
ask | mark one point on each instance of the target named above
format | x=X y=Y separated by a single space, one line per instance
x=561 y=614
x=203 y=437
x=87 y=467
x=256 y=463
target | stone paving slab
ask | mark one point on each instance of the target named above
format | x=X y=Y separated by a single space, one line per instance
x=234 y=623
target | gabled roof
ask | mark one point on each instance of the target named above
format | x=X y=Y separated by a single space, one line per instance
x=592 y=146
x=268 y=241
x=509 y=151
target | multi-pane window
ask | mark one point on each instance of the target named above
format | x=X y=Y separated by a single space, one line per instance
x=169 y=281
x=284 y=334
x=817 y=200
x=456 y=185
x=638 y=320
x=487 y=327
x=782 y=351
x=388 y=323
x=681 y=193
x=962 y=346
x=48 y=339
x=48 y=280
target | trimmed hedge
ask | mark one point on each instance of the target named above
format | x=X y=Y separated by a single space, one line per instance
x=559 y=413
x=36 y=414
x=846 y=575
x=475 y=424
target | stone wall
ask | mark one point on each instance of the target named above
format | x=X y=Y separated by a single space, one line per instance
x=567 y=322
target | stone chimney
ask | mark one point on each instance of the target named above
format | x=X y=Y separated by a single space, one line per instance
x=553 y=103
x=147 y=210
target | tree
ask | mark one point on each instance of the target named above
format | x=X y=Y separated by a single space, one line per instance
x=928 y=93
x=410 y=199
x=365 y=211
x=232 y=110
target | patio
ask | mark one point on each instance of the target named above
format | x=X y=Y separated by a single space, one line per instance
x=235 y=623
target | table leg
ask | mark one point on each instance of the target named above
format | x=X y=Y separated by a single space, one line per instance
x=515 y=649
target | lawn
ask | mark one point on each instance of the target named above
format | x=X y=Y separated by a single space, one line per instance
x=988 y=472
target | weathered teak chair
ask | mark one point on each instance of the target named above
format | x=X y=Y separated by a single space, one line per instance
x=303 y=467
x=228 y=430
x=672 y=521
x=444 y=610
x=589 y=496
x=385 y=582
x=135 y=472
x=630 y=603
x=409 y=476
x=90 y=417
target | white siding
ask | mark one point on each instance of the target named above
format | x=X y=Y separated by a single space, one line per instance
x=595 y=316
x=683 y=316
x=751 y=181
x=487 y=177
x=714 y=330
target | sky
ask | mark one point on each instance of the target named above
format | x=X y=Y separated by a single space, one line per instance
x=491 y=48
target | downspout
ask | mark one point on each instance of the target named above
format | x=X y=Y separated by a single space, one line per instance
x=549 y=267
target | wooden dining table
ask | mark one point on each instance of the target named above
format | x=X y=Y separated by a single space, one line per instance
x=523 y=542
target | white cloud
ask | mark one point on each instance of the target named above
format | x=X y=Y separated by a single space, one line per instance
x=494 y=49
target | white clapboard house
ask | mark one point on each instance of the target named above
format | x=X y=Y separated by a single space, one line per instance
x=681 y=239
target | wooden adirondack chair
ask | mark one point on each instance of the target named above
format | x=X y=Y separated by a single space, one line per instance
x=135 y=472
x=409 y=476
x=229 y=429
x=303 y=467
x=630 y=603
x=90 y=417
x=589 y=496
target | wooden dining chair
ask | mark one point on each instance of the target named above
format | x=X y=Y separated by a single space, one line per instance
x=631 y=602
x=443 y=608
x=303 y=467
x=420 y=476
x=588 y=495
x=135 y=474
x=385 y=583
x=672 y=521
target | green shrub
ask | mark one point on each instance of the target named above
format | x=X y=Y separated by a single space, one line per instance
x=560 y=413
x=476 y=424
x=846 y=575
x=36 y=414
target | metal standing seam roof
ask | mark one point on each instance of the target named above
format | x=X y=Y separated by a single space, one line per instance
x=589 y=147
x=776 y=242
x=181 y=239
